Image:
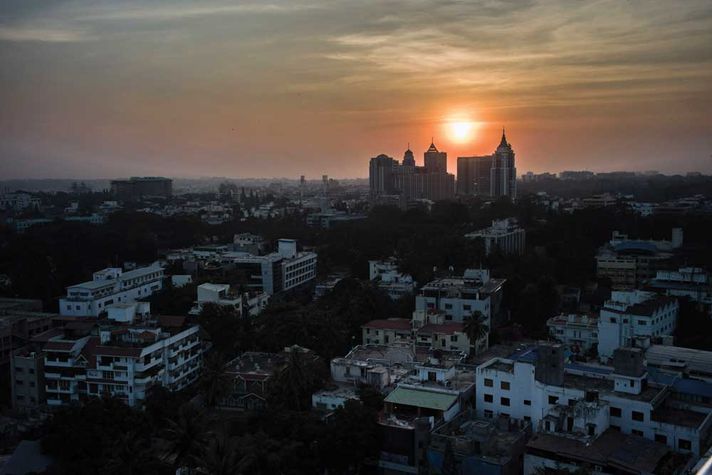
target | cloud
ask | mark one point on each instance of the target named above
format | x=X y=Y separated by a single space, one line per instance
x=39 y=34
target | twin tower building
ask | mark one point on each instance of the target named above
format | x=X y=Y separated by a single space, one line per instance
x=491 y=176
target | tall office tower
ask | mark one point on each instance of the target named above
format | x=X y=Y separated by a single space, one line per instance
x=503 y=175
x=409 y=158
x=380 y=175
x=473 y=175
x=435 y=161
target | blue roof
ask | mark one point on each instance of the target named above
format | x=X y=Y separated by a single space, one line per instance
x=693 y=386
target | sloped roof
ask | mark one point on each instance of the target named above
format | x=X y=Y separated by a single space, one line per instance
x=390 y=324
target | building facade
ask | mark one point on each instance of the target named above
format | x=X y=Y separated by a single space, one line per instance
x=110 y=286
x=136 y=188
x=503 y=175
x=504 y=235
x=473 y=175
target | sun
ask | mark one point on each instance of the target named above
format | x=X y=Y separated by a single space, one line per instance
x=461 y=130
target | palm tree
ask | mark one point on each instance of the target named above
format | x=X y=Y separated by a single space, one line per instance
x=187 y=436
x=299 y=378
x=475 y=329
x=221 y=456
x=214 y=381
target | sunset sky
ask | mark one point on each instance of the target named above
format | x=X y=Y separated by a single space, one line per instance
x=261 y=89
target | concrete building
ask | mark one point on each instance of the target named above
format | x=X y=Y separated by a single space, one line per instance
x=90 y=357
x=279 y=271
x=448 y=336
x=503 y=175
x=329 y=400
x=411 y=182
x=578 y=332
x=473 y=175
x=137 y=188
x=611 y=453
x=680 y=362
x=249 y=243
x=18 y=201
x=110 y=286
x=634 y=318
x=629 y=263
x=584 y=402
x=375 y=365
x=27 y=378
x=479 y=445
x=458 y=298
x=390 y=279
x=218 y=294
x=384 y=332
x=688 y=282
x=504 y=235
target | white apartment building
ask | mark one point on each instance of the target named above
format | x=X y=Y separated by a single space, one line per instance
x=386 y=331
x=689 y=282
x=578 y=332
x=18 y=201
x=123 y=360
x=218 y=294
x=390 y=279
x=375 y=365
x=279 y=271
x=458 y=298
x=110 y=286
x=583 y=402
x=634 y=318
x=504 y=234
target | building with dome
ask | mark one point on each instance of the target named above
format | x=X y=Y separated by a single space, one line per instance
x=409 y=181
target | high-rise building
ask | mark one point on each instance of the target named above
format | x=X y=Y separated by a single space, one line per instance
x=380 y=175
x=473 y=175
x=435 y=160
x=503 y=175
x=432 y=181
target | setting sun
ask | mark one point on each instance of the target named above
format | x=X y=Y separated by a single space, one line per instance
x=461 y=130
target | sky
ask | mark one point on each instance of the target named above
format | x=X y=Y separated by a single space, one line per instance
x=102 y=89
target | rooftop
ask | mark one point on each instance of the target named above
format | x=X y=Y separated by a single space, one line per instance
x=625 y=452
x=422 y=397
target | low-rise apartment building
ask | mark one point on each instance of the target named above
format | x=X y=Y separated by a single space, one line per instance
x=504 y=235
x=92 y=357
x=579 y=332
x=634 y=318
x=581 y=401
x=389 y=279
x=110 y=286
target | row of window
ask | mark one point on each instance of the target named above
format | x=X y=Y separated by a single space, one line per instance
x=634 y=415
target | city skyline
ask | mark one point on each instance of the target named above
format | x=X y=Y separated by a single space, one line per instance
x=309 y=88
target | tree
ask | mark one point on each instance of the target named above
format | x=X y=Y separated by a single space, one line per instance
x=187 y=436
x=298 y=380
x=220 y=457
x=352 y=438
x=214 y=381
x=475 y=329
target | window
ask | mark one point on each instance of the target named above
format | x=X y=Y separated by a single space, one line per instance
x=615 y=428
x=504 y=401
x=613 y=320
x=527 y=402
x=637 y=432
x=637 y=416
x=553 y=399
x=18 y=369
x=489 y=383
x=661 y=438
x=642 y=322
x=453 y=338
x=684 y=444
x=488 y=414
x=489 y=398
x=615 y=411
x=504 y=385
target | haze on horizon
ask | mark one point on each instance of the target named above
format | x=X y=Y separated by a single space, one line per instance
x=285 y=88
